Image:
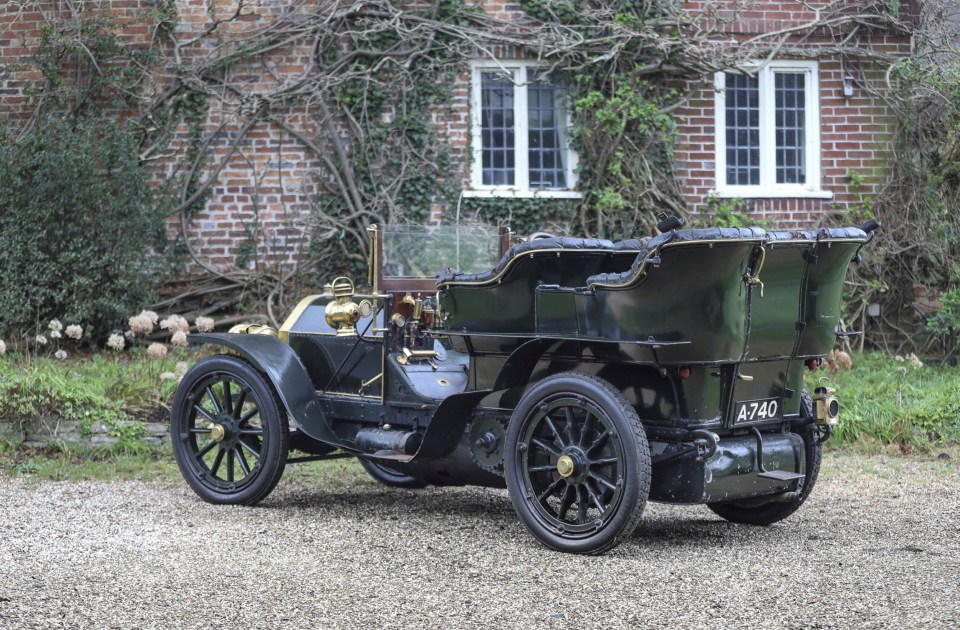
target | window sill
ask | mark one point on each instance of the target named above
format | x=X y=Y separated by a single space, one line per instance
x=514 y=193
x=756 y=192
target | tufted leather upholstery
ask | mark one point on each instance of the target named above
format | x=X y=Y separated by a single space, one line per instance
x=551 y=244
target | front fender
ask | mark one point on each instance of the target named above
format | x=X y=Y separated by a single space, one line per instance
x=287 y=374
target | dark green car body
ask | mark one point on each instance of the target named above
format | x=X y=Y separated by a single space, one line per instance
x=705 y=333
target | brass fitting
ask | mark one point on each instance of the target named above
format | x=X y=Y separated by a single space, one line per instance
x=254 y=329
x=342 y=313
x=826 y=406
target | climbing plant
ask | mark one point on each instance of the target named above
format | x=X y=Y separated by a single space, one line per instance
x=368 y=107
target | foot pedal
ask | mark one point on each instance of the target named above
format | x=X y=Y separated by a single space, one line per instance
x=781 y=475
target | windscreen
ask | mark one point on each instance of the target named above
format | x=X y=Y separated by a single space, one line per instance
x=417 y=251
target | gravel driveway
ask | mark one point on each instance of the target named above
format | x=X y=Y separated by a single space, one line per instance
x=877 y=545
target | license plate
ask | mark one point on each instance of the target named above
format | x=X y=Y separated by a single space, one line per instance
x=756 y=410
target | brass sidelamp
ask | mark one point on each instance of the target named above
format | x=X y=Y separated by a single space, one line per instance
x=342 y=313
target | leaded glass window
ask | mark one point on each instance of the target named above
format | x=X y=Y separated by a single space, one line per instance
x=743 y=130
x=520 y=127
x=767 y=131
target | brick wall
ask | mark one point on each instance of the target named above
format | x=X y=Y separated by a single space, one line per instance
x=855 y=132
x=261 y=202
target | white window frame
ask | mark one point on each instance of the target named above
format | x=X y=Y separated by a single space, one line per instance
x=768 y=187
x=521 y=187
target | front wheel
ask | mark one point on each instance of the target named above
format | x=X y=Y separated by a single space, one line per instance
x=229 y=434
x=577 y=463
x=759 y=512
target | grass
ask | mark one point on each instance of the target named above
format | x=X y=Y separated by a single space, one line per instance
x=97 y=388
x=887 y=406
x=886 y=402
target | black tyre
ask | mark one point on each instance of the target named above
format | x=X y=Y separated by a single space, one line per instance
x=577 y=463
x=759 y=512
x=390 y=476
x=229 y=432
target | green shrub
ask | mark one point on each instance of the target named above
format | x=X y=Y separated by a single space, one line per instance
x=894 y=402
x=76 y=221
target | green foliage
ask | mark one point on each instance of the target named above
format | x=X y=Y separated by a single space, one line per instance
x=523 y=216
x=99 y=390
x=892 y=402
x=724 y=213
x=625 y=140
x=77 y=219
x=919 y=243
x=945 y=323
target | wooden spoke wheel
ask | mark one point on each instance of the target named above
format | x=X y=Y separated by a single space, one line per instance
x=229 y=433
x=577 y=463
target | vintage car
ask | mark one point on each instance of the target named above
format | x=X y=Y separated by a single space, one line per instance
x=586 y=376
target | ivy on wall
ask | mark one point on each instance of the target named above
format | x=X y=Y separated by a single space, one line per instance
x=379 y=77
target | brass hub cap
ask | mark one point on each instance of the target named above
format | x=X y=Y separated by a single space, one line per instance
x=217 y=433
x=565 y=466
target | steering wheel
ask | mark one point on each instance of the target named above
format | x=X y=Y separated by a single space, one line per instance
x=536 y=236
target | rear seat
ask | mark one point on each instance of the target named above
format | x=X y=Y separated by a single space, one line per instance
x=626 y=278
x=450 y=277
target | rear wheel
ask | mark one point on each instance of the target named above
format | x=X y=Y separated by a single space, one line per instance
x=577 y=463
x=759 y=512
x=390 y=476
x=229 y=433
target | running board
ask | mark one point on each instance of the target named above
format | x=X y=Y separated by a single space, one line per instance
x=781 y=475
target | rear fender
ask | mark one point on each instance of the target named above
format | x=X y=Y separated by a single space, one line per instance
x=286 y=372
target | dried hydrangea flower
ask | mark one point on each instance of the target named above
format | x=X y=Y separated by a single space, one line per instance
x=175 y=323
x=141 y=324
x=181 y=368
x=60 y=354
x=3 y=347
x=205 y=324
x=156 y=351
x=55 y=326
x=116 y=342
x=54 y=334
x=168 y=376
x=41 y=340
x=74 y=332
x=179 y=339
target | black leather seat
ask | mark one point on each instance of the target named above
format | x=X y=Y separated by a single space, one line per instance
x=622 y=279
x=554 y=244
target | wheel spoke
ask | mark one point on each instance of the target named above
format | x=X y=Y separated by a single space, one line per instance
x=217 y=462
x=199 y=430
x=546 y=446
x=213 y=398
x=606 y=461
x=594 y=498
x=585 y=429
x=565 y=502
x=542 y=468
x=553 y=487
x=244 y=466
x=227 y=396
x=230 y=459
x=206 y=449
x=581 y=507
x=246 y=417
x=253 y=451
x=603 y=481
x=571 y=422
x=203 y=412
x=600 y=440
x=238 y=406
x=251 y=431
x=553 y=428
